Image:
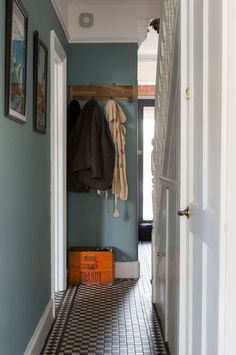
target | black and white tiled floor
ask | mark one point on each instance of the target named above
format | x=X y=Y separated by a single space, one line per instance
x=108 y=319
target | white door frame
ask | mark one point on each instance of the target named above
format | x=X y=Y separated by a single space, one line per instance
x=227 y=278
x=58 y=164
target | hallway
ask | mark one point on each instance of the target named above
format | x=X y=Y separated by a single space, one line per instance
x=108 y=319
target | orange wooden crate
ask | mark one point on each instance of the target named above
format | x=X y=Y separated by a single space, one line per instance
x=91 y=266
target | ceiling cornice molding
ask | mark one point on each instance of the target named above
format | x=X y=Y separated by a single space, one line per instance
x=58 y=13
x=105 y=40
x=147 y=57
x=115 y=2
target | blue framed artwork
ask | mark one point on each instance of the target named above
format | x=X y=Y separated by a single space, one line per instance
x=16 y=60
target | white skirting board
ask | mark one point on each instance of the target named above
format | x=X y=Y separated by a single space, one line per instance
x=127 y=270
x=36 y=342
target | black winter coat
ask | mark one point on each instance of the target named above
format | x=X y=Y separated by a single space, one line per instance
x=93 y=151
x=72 y=116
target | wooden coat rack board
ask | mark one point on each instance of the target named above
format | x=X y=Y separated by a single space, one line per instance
x=87 y=92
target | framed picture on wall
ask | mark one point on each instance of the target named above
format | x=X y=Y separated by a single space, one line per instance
x=16 y=60
x=40 y=84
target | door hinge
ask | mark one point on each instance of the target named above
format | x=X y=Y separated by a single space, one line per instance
x=187 y=93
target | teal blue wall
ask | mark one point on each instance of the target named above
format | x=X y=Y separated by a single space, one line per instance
x=89 y=222
x=24 y=201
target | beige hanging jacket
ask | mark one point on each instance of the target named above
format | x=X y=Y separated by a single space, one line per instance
x=115 y=118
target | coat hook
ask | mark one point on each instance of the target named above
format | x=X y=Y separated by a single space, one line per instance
x=130 y=100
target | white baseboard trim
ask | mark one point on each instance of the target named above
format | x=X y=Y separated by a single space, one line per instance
x=36 y=342
x=127 y=270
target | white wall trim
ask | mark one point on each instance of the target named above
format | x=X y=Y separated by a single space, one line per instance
x=127 y=270
x=227 y=280
x=58 y=166
x=37 y=341
x=104 y=40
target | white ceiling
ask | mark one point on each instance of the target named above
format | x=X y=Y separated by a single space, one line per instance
x=114 y=20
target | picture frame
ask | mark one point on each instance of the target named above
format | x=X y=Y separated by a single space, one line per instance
x=40 y=84
x=16 y=60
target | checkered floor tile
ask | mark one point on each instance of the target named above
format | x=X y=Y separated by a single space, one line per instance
x=108 y=319
x=59 y=296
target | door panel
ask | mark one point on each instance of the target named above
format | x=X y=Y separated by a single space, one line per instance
x=200 y=161
x=173 y=272
x=162 y=265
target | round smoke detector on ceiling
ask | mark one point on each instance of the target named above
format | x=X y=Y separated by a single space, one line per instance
x=86 y=20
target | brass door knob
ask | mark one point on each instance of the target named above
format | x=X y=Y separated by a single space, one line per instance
x=185 y=213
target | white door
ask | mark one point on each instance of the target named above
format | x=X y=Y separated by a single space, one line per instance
x=199 y=182
x=186 y=248
x=58 y=165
